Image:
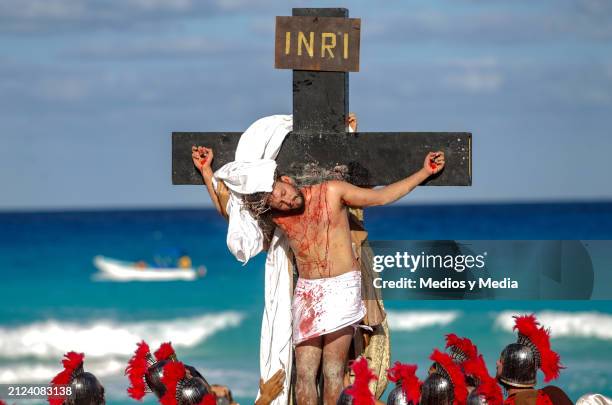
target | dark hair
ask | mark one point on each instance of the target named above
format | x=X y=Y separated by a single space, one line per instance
x=259 y=207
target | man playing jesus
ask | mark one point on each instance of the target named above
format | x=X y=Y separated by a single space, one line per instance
x=327 y=302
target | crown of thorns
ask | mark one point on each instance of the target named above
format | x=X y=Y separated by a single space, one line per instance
x=256 y=203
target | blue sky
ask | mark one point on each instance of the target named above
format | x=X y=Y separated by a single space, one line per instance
x=91 y=90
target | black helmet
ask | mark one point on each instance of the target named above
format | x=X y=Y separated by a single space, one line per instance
x=521 y=360
x=407 y=385
x=437 y=390
x=397 y=396
x=345 y=398
x=446 y=385
x=86 y=390
x=145 y=371
x=84 y=387
x=476 y=399
x=519 y=366
x=184 y=389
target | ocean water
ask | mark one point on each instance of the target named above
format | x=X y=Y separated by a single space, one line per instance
x=51 y=303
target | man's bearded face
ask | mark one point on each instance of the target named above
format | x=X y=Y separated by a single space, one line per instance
x=285 y=195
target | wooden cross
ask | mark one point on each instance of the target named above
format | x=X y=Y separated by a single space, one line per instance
x=320 y=110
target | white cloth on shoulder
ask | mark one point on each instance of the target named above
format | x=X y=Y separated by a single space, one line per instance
x=251 y=172
x=325 y=305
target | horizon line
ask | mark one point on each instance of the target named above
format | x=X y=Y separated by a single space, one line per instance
x=119 y=208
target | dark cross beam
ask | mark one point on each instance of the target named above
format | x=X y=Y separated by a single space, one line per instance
x=320 y=109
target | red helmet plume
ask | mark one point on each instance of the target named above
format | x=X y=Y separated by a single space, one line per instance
x=136 y=370
x=174 y=371
x=406 y=374
x=208 y=399
x=549 y=360
x=360 y=390
x=71 y=362
x=164 y=352
x=455 y=375
x=487 y=385
x=462 y=347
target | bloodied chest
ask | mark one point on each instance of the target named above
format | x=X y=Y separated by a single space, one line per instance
x=319 y=235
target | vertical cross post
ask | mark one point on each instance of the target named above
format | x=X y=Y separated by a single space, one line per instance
x=320 y=99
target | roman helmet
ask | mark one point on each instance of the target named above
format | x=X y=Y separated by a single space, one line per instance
x=407 y=389
x=446 y=384
x=145 y=370
x=486 y=391
x=182 y=388
x=460 y=348
x=359 y=392
x=521 y=360
x=80 y=387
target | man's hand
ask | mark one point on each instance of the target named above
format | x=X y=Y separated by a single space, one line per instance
x=434 y=162
x=202 y=158
x=272 y=388
x=351 y=121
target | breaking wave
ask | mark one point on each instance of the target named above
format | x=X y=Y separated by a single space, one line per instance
x=565 y=324
x=102 y=338
x=416 y=320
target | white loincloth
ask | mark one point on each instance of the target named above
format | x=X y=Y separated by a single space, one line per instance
x=325 y=305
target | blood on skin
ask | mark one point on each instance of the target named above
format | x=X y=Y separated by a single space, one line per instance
x=304 y=231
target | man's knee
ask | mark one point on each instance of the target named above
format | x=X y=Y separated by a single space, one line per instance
x=306 y=374
x=333 y=371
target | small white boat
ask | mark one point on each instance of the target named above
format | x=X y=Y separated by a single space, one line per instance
x=117 y=270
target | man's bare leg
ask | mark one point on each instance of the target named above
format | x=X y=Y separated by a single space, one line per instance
x=335 y=353
x=307 y=360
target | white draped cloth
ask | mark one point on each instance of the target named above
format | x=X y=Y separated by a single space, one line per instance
x=251 y=172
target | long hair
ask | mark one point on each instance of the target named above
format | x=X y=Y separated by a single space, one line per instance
x=259 y=207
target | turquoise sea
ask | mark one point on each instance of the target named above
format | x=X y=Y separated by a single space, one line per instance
x=51 y=302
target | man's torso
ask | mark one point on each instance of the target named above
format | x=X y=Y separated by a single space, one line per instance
x=319 y=235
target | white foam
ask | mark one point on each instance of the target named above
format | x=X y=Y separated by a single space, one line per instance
x=104 y=338
x=38 y=373
x=565 y=324
x=415 y=320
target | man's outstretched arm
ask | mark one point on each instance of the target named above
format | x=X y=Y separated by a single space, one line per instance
x=202 y=159
x=367 y=197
